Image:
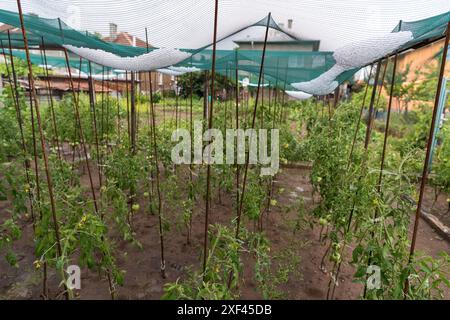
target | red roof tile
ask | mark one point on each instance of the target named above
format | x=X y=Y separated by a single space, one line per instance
x=6 y=27
x=125 y=38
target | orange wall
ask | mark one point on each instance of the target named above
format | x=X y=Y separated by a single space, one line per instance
x=419 y=59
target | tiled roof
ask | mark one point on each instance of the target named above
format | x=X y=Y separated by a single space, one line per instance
x=63 y=84
x=126 y=39
x=6 y=27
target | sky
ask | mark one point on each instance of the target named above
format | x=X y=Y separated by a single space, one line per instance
x=189 y=23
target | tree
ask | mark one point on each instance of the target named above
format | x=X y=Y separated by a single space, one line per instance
x=404 y=89
x=20 y=66
x=426 y=89
x=198 y=83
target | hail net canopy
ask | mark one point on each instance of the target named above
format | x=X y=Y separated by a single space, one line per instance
x=175 y=36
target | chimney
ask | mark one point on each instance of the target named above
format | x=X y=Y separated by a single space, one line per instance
x=290 y=22
x=134 y=41
x=113 y=31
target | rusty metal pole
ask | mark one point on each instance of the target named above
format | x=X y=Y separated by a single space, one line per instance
x=80 y=131
x=133 y=114
x=158 y=188
x=247 y=158
x=283 y=97
x=237 y=127
x=78 y=120
x=191 y=168
x=238 y=221
x=371 y=108
x=428 y=154
x=35 y=153
x=388 y=121
x=128 y=106
x=94 y=120
x=176 y=102
x=210 y=123
x=382 y=82
x=359 y=119
x=383 y=153
x=15 y=96
x=363 y=165
x=102 y=118
x=50 y=98
x=42 y=138
x=108 y=105
x=155 y=154
x=118 y=109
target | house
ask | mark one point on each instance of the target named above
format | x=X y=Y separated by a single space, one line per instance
x=57 y=83
x=17 y=31
x=278 y=41
x=160 y=82
x=420 y=61
x=62 y=84
x=5 y=27
x=279 y=44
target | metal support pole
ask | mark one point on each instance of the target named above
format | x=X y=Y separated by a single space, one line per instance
x=428 y=155
x=210 y=123
x=253 y=126
x=42 y=138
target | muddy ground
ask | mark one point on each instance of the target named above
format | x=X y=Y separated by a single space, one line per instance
x=142 y=266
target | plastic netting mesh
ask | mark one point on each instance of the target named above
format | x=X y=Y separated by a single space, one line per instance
x=60 y=62
x=180 y=34
x=425 y=29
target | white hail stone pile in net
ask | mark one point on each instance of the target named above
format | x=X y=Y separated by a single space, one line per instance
x=354 y=55
x=177 y=71
x=299 y=95
x=170 y=72
x=323 y=84
x=361 y=53
x=184 y=69
x=156 y=59
x=251 y=84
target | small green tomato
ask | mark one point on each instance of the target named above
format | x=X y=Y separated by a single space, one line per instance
x=336 y=246
x=335 y=257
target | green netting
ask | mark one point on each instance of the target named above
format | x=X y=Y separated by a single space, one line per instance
x=265 y=22
x=60 y=62
x=56 y=33
x=425 y=29
x=281 y=68
x=284 y=68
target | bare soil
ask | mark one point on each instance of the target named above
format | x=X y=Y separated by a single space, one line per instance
x=143 y=279
x=438 y=206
